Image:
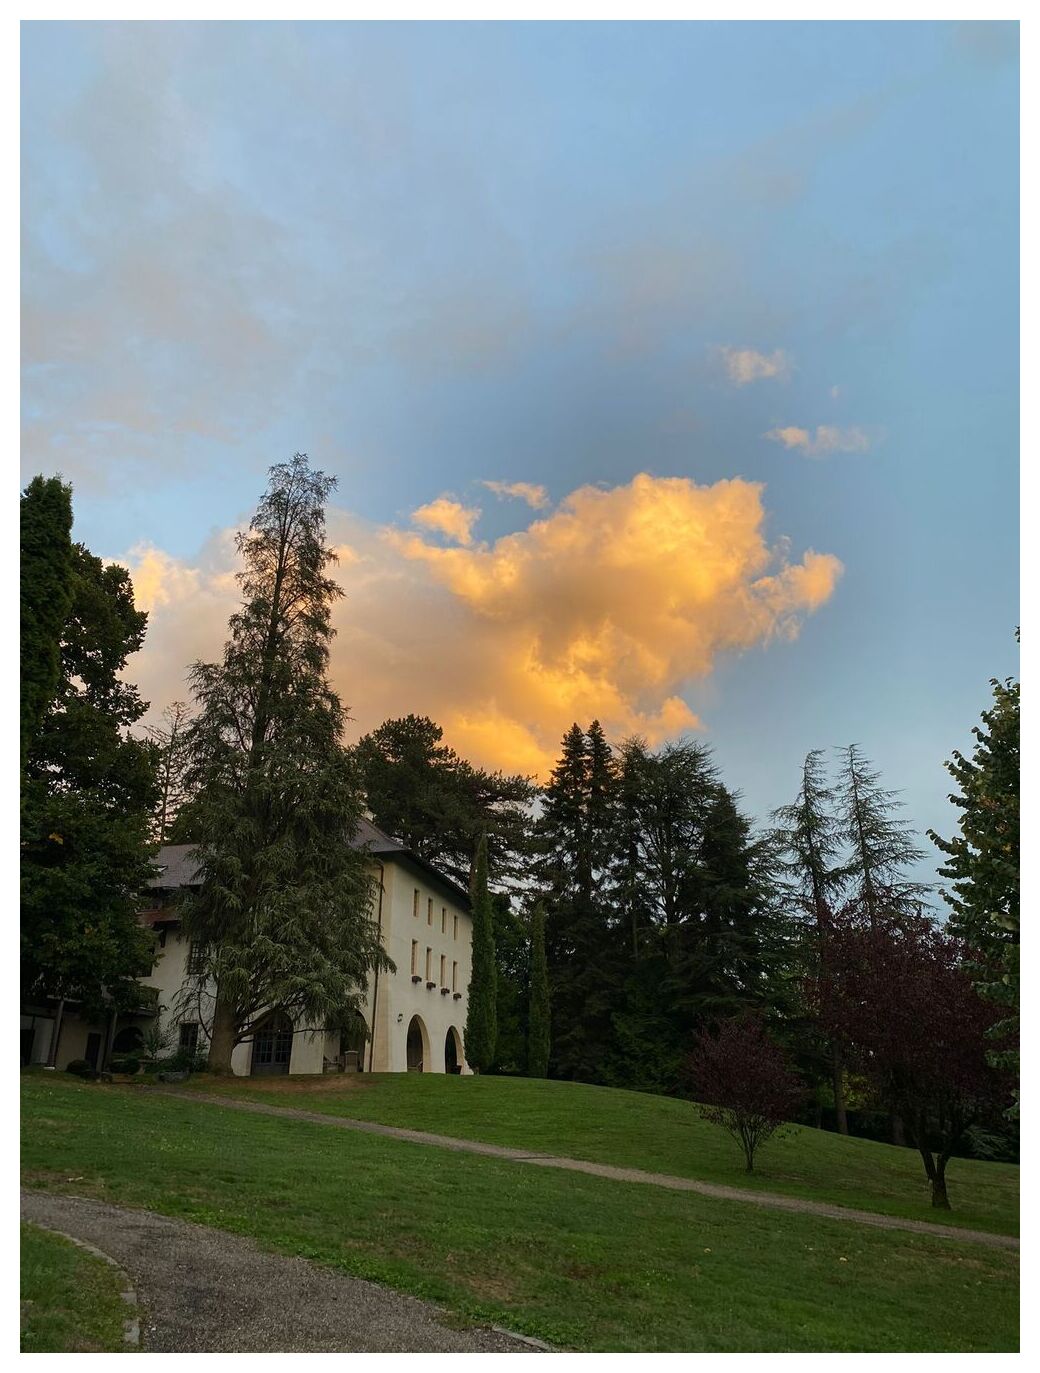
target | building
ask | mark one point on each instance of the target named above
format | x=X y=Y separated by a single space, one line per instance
x=414 y=1015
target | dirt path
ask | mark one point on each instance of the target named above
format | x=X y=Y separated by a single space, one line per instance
x=203 y=1290
x=774 y=1200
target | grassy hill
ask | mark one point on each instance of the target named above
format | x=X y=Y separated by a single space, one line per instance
x=659 y=1134
x=583 y=1262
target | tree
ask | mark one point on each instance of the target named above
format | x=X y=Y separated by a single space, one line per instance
x=512 y=954
x=538 y=1017
x=881 y=847
x=481 y=1019
x=982 y=862
x=47 y=579
x=87 y=794
x=743 y=1083
x=420 y=791
x=896 y=988
x=284 y=907
x=170 y=740
x=809 y=841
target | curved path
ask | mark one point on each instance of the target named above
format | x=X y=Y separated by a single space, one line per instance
x=774 y=1200
x=203 y=1290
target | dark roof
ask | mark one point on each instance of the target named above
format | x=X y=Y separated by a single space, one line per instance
x=176 y=862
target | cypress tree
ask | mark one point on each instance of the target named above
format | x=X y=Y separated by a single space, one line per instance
x=539 y=1018
x=481 y=1017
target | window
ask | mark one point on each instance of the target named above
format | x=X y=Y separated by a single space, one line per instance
x=455 y=930
x=454 y=977
x=429 y=910
x=429 y=965
x=444 y=920
x=444 y=971
x=415 y=903
x=196 y=958
x=189 y=1035
x=415 y=956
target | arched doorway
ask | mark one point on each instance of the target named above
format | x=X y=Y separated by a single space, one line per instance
x=417 y=1053
x=452 y=1051
x=128 y=1041
x=272 y=1045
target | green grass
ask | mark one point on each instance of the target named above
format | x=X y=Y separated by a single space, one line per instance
x=582 y=1262
x=659 y=1134
x=70 y=1299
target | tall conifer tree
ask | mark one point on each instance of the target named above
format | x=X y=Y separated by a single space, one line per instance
x=539 y=1016
x=284 y=907
x=481 y=1037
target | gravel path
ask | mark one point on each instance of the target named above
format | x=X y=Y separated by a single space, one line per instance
x=774 y=1200
x=202 y=1290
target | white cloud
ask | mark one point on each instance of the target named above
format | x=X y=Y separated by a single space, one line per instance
x=828 y=438
x=744 y=365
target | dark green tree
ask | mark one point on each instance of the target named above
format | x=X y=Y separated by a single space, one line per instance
x=538 y=1015
x=170 y=740
x=880 y=847
x=512 y=954
x=87 y=795
x=284 y=908
x=481 y=1017
x=420 y=791
x=982 y=862
x=47 y=575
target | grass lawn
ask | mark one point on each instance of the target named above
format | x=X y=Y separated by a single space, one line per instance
x=70 y=1300
x=582 y=1262
x=660 y=1134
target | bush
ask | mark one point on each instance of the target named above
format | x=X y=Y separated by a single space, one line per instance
x=80 y=1068
x=124 y=1063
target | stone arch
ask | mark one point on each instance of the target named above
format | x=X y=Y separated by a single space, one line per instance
x=272 y=1045
x=452 y=1051
x=417 y=1046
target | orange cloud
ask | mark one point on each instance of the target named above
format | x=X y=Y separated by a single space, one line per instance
x=449 y=517
x=827 y=439
x=536 y=496
x=608 y=607
x=744 y=365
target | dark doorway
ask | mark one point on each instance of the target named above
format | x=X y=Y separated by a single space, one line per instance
x=28 y=1035
x=452 y=1058
x=272 y=1046
x=127 y=1041
x=415 y=1045
x=93 y=1049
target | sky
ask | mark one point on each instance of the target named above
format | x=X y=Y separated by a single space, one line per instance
x=669 y=372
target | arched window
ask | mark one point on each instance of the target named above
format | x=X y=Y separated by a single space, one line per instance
x=272 y=1045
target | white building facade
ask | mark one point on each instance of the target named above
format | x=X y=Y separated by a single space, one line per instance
x=414 y=1016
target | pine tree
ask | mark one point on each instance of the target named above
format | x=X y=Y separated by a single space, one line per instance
x=539 y=1016
x=88 y=790
x=46 y=597
x=284 y=907
x=809 y=841
x=170 y=740
x=982 y=862
x=481 y=1017
x=881 y=847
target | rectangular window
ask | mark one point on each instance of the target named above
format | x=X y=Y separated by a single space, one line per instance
x=455 y=930
x=429 y=910
x=444 y=920
x=415 y=956
x=189 y=1035
x=429 y=964
x=444 y=971
x=415 y=903
x=196 y=958
x=454 y=977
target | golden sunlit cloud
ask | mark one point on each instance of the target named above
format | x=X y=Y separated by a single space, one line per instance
x=536 y=496
x=827 y=439
x=744 y=365
x=449 y=517
x=608 y=608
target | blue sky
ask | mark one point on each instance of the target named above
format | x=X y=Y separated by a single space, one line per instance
x=431 y=255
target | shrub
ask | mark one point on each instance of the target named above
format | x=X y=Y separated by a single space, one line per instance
x=744 y=1083
x=80 y=1068
x=124 y=1063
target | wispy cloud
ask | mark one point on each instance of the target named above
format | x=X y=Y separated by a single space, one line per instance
x=536 y=496
x=449 y=517
x=744 y=365
x=827 y=438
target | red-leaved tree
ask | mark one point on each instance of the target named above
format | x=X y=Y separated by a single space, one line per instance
x=743 y=1083
x=896 y=991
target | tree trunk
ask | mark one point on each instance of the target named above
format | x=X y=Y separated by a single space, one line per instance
x=837 y=1067
x=896 y=1126
x=939 y=1197
x=222 y=1042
